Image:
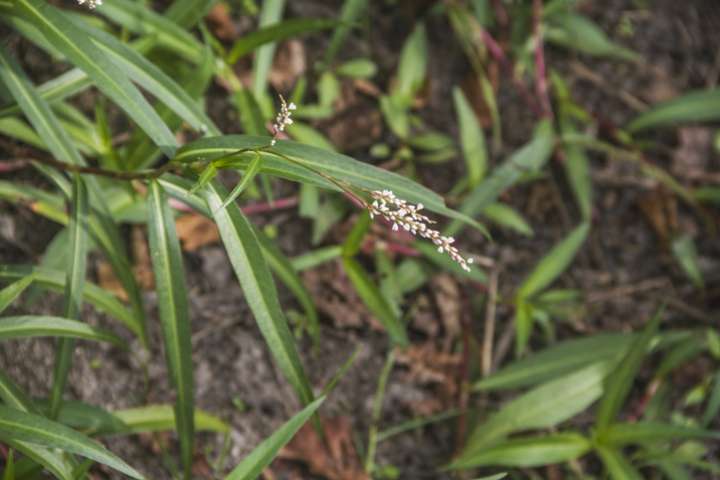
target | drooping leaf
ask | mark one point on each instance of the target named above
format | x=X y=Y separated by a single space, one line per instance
x=16 y=425
x=579 y=33
x=25 y=326
x=252 y=466
x=698 y=106
x=12 y=291
x=174 y=316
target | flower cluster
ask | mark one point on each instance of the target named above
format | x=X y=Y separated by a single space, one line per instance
x=283 y=118
x=90 y=3
x=406 y=215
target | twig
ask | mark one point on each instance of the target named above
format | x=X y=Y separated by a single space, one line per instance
x=540 y=69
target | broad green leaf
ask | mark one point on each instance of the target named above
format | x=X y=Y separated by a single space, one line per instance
x=247 y=259
x=396 y=116
x=271 y=13
x=74 y=285
x=174 y=316
x=683 y=248
x=617 y=465
x=697 y=106
x=110 y=79
x=579 y=33
x=472 y=139
x=506 y=216
x=528 y=159
x=542 y=407
x=25 y=326
x=275 y=33
x=252 y=466
x=54 y=462
x=553 y=263
x=558 y=360
x=305 y=160
x=374 y=300
x=412 y=66
x=16 y=425
x=620 y=382
x=12 y=291
x=351 y=11
x=528 y=452
x=620 y=434
x=55 y=280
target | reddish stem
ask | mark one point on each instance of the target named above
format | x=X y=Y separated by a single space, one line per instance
x=540 y=69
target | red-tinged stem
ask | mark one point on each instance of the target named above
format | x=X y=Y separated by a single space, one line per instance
x=540 y=69
x=502 y=16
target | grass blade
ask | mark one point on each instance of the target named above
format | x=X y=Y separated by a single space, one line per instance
x=248 y=177
x=619 y=434
x=253 y=465
x=25 y=326
x=74 y=284
x=271 y=13
x=620 y=381
x=247 y=259
x=174 y=316
x=16 y=425
x=374 y=300
x=617 y=465
x=12 y=291
x=698 y=106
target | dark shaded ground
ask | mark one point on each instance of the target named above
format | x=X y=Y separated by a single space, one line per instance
x=678 y=42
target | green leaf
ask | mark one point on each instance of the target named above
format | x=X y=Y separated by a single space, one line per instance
x=353 y=241
x=271 y=13
x=248 y=177
x=110 y=79
x=713 y=404
x=12 y=291
x=247 y=259
x=529 y=452
x=620 y=381
x=251 y=117
x=275 y=33
x=16 y=425
x=412 y=66
x=553 y=263
x=187 y=13
x=528 y=159
x=174 y=316
x=305 y=159
x=9 y=471
x=252 y=466
x=558 y=360
x=617 y=465
x=697 y=106
x=55 y=280
x=506 y=216
x=374 y=300
x=683 y=248
x=53 y=461
x=351 y=10
x=74 y=285
x=579 y=33
x=619 y=434
x=24 y=326
x=472 y=139
x=357 y=68
x=304 y=133
x=542 y=407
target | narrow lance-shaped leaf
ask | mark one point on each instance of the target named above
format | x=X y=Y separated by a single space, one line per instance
x=271 y=13
x=373 y=299
x=174 y=316
x=619 y=383
x=12 y=291
x=26 y=326
x=16 y=425
x=74 y=285
x=253 y=465
x=617 y=465
x=256 y=281
x=698 y=106
x=54 y=462
x=472 y=139
x=248 y=177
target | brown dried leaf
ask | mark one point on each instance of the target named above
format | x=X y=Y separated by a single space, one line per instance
x=142 y=267
x=336 y=460
x=221 y=23
x=660 y=209
x=195 y=231
x=108 y=281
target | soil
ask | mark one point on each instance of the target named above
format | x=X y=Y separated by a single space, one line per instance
x=625 y=267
